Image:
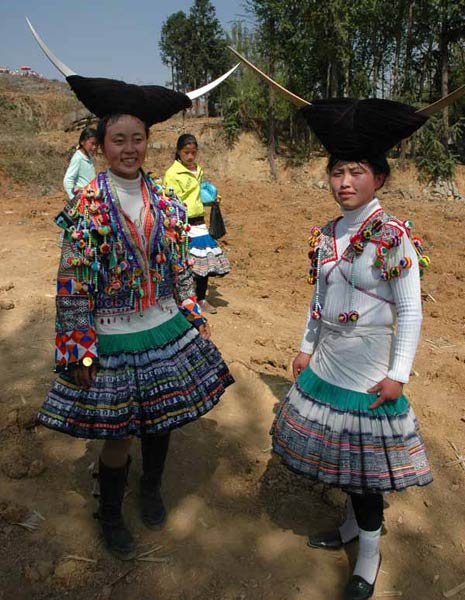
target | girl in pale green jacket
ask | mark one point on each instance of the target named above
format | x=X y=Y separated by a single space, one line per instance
x=184 y=178
x=81 y=169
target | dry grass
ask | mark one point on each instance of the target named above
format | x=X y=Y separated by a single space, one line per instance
x=30 y=107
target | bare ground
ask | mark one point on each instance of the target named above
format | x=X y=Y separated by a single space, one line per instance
x=238 y=521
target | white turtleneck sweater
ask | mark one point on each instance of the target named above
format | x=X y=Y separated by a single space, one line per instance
x=358 y=355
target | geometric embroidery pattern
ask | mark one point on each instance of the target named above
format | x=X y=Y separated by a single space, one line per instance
x=73 y=346
x=72 y=313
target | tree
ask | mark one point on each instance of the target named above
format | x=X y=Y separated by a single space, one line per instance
x=406 y=50
x=174 y=48
x=194 y=46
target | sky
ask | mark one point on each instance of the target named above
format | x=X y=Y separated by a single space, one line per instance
x=96 y=38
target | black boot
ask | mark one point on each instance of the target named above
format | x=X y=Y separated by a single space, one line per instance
x=118 y=538
x=154 y=451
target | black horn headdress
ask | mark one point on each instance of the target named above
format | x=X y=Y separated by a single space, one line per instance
x=103 y=96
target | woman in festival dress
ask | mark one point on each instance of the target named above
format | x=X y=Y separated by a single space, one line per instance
x=185 y=177
x=132 y=347
x=346 y=421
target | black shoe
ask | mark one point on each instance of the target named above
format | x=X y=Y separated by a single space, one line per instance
x=152 y=509
x=358 y=588
x=328 y=540
x=118 y=539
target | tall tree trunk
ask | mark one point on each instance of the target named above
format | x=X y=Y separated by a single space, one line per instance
x=408 y=49
x=272 y=129
x=271 y=119
x=328 y=80
x=444 y=66
x=396 y=67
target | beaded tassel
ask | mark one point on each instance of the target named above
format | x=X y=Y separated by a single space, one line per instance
x=317 y=308
x=352 y=316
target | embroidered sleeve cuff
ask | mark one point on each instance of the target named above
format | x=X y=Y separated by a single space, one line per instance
x=71 y=347
x=191 y=310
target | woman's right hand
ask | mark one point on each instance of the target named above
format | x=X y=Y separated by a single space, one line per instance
x=85 y=376
x=300 y=363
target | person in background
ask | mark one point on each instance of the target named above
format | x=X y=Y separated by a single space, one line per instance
x=184 y=177
x=81 y=169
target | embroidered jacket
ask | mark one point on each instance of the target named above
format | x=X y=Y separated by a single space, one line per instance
x=107 y=270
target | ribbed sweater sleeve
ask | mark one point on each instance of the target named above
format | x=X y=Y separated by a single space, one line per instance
x=407 y=297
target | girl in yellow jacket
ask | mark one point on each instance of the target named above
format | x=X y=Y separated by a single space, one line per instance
x=184 y=177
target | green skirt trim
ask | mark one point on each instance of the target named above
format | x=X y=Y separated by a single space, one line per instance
x=342 y=399
x=144 y=340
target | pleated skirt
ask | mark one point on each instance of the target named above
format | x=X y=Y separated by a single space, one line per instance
x=329 y=434
x=209 y=258
x=147 y=382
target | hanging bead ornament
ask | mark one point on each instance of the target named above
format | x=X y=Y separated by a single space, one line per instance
x=315 y=233
x=313 y=277
x=352 y=315
x=316 y=307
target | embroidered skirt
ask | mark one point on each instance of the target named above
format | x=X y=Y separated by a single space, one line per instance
x=209 y=258
x=328 y=433
x=147 y=382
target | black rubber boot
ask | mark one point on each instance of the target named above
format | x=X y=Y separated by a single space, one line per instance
x=154 y=451
x=117 y=537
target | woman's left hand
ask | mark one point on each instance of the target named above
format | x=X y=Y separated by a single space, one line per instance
x=387 y=389
x=205 y=332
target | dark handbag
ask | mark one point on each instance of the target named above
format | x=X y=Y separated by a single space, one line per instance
x=217 y=229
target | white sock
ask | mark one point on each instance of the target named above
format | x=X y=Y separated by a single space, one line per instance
x=368 y=555
x=349 y=529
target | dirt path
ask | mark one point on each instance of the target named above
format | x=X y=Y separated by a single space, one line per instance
x=238 y=520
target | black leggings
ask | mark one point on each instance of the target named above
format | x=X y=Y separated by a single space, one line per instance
x=368 y=509
x=154 y=450
x=201 y=285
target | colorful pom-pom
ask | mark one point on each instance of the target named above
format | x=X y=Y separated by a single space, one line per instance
x=405 y=262
x=424 y=261
x=377 y=224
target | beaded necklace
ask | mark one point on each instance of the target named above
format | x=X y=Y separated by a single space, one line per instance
x=108 y=258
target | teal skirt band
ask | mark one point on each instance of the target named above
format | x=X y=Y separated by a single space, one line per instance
x=144 y=340
x=343 y=399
